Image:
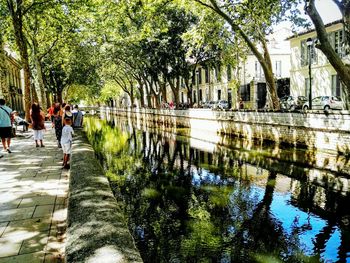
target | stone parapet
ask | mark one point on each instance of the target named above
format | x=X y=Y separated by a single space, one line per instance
x=97 y=230
x=327 y=131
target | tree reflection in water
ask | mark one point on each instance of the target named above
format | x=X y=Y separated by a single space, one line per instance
x=187 y=205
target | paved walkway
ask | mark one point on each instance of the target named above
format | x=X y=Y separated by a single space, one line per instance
x=33 y=201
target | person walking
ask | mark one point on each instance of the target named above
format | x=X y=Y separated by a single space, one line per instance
x=67 y=114
x=66 y=142
x=57 y=123
x=50 y=113
x=38 y=124
x=77 y=117
x=5 y=126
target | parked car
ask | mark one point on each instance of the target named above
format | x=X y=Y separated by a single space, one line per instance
x=292 y=103
x=209 y=104
x=325 y=103
x=221 y=105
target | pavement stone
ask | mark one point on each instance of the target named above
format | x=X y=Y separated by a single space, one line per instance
x=37 y=200
x=3 y=226
x=33 y=201
x=27 y=258
x=9 y=247
x=30 y=225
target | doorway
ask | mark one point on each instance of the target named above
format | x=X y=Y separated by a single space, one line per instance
x=261 y=95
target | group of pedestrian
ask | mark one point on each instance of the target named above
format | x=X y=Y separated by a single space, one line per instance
x=61 y=117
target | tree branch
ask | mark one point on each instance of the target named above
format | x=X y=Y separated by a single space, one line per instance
x=34 y=4
x=325 y=45
x=49 y=49
x=204 y=4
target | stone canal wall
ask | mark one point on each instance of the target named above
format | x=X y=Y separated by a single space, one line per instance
x=97 y=230
x=319 y=130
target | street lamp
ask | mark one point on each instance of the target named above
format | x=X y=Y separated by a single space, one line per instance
x=309 y=43
x=197 y=93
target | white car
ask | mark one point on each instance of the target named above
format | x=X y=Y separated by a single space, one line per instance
x=208 y=104
x=221 y=105
x=325 y=103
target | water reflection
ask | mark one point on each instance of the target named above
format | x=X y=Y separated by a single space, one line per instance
x=194 y=201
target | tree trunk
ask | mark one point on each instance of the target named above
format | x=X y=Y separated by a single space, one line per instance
x=4 y=87
x=325 y=46
x=270 y=80
x=346 y=23
x=264 y=59
x=17 y=22
x=34 y=94
x=175 y=90
x=162 y=86
x=26 y=70
x=40 y=80
x=148 y=94
x=189 y=87
x=142 y=94
x=189 y=94
x=132 y=96
x=59 y=96
x=48 y=99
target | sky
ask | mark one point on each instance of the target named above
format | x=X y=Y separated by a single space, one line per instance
x=328 y=10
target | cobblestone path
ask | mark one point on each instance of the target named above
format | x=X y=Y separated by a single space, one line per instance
x=33 y=201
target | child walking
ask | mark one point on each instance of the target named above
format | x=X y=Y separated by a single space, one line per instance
x=66 y=142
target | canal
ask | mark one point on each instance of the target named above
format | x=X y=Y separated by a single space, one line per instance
x=190 y=200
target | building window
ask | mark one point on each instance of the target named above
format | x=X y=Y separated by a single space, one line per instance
x=305 y=53
x=182 y=83
x=229 y=75
x=219 y=94
x=199 y=76
x=336 y=86
x=200 y=95
x=278 y=68
x=244 y=92
x=307 y=86
x=258 y=70
x=207 y=74
x=194 y=97
x=336 y=39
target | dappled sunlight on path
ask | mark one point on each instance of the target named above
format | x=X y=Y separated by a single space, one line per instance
x=33 y=201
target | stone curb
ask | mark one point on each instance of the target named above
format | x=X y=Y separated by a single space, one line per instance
x=97 y=230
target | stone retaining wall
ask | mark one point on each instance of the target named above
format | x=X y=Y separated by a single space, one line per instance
x=97 y=230
x=323 y=131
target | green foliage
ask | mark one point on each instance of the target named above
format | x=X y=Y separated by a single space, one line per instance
x=109 y=91
x=138 y=47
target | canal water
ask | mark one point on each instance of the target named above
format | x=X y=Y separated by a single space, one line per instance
x=191 y=200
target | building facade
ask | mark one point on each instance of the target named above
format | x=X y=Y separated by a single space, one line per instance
x=324 y=79
x=245 y=81
x=11 y=89
x=252 y=79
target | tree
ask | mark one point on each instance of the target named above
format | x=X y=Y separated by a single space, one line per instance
x=44 y=30
x=4 y=89
x=252 y=21
x=18 y=10
x=71 y=65
x=325 y=46
x=210 y=43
